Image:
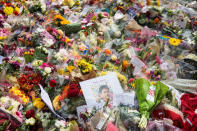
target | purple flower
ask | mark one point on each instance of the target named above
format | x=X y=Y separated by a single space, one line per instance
x=16 y=65
x=151 y=72
x=6 y=59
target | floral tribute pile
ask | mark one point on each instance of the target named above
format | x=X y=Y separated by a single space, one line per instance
x=48 y=48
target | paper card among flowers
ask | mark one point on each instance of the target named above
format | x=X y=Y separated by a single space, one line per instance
x=101 y=89
x=126 y=99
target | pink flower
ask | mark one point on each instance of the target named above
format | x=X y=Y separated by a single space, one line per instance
x=105 y=14
x=148 y=33
x=131 y=80
x=84 y=21
x=19 y=114
x=44 y=65
x=158 y=60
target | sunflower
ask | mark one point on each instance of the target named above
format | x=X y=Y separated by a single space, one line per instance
x=174 y=41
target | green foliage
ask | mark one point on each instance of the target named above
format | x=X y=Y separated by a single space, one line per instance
x=28 y=58
x=71 y=28
x=4 y=125
x=70 y=105
x=142 y=90
x=35 y=8
x=39 y=54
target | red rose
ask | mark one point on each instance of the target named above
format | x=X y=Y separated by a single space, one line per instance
x=73 y=90
x=30 y=113
x=52 y=83
x=16 y=13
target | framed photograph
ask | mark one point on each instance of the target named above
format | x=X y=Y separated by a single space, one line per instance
x=99 y=90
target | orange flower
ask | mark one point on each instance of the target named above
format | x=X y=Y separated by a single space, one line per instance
x=98 y=48
x=156 y=20
x=56 y=103
x=125 y=64
x=195 y=22
x=107 y=52
x=64 y=93
x=86 y=33
x=15 y=90
x=67 y=40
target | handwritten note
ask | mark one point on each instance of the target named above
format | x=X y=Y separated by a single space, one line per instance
x=45 y=97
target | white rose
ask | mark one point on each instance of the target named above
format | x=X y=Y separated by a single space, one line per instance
x=31 y=121
x=47 y=70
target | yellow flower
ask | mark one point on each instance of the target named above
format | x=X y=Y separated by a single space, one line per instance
x=70 y=68
x=133 y=85
x=38 y=103
x=8 y=10
x=64 y=22
x=60 y=71
x=3 y=37
x=166 y=23
x=158 y=2
x=16 y=9
x=25 y=99
x=77 y=3
x=67 y=40
x=56 y=104
x=174 y=41
x=84 y=66
x=70 y=3
x=15 y=90
x=103 y=73
x=59 y=17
